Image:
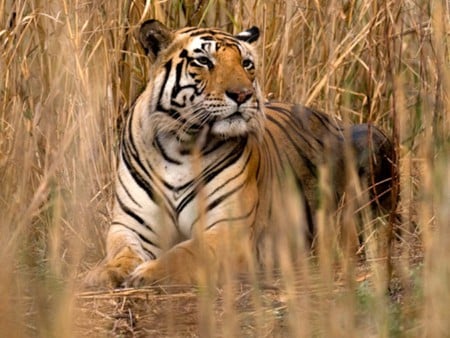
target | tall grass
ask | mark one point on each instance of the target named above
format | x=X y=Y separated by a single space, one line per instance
x=69 y=71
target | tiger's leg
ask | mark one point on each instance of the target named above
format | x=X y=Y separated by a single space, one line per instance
x=124 y=254
x=197 y=261
x=375 y=159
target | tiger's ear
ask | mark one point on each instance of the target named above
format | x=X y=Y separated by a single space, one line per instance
x=154 y=37
x=250 y=35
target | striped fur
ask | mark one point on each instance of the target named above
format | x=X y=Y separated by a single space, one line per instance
x=204 y=162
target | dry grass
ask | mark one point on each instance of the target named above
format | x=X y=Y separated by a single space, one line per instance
x=70 y=69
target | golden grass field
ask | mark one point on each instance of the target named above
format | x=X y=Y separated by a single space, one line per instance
x=70 y=69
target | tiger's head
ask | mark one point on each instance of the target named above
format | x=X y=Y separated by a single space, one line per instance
x=201 y=79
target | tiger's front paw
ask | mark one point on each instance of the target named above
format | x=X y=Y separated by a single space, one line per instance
x=104 y=276
x=147 y=273
x=163 y=272
x=111 y=273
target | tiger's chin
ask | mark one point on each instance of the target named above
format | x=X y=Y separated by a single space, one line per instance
x=235 y=126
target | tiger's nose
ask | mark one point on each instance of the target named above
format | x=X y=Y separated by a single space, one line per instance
x=239 y=95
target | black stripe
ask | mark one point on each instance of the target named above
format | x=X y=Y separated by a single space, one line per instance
x=124 y=187
x=290 y=122
x=209 y=173
x=232 y=178
x=168 y=67
x=176 y=88
x=184 y=54
x=327 y=122
x=163 y=152
x=219 y=36
x=298 y=111
x=206 y=32
x=174 y=114
x=307 y=208
x=232 y=159
x=141 y=181
x=132 y=214
x=144 y=183
x=189 y=30
x=276 y=152
x=211 y=147
x=222 y=198
x=141 y=237
x=230 y=219
x=128 y=134
x=128 y=156
x=308 y=163
x=270 y=163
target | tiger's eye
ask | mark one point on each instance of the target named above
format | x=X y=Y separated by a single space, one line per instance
x=248 y=64
x=204 y=61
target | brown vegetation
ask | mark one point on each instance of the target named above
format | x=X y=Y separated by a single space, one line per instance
x=69 y=71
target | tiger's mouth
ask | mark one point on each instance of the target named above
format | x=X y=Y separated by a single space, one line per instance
x=233 y=125
x=216 y=117
x=235 y=116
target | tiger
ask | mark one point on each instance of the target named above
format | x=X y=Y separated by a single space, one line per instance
x=205 y=162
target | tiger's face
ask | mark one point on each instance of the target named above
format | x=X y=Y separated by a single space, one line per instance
x=203 y=81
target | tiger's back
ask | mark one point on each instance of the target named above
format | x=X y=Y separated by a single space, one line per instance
x=302 y=142
x=205 y=164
